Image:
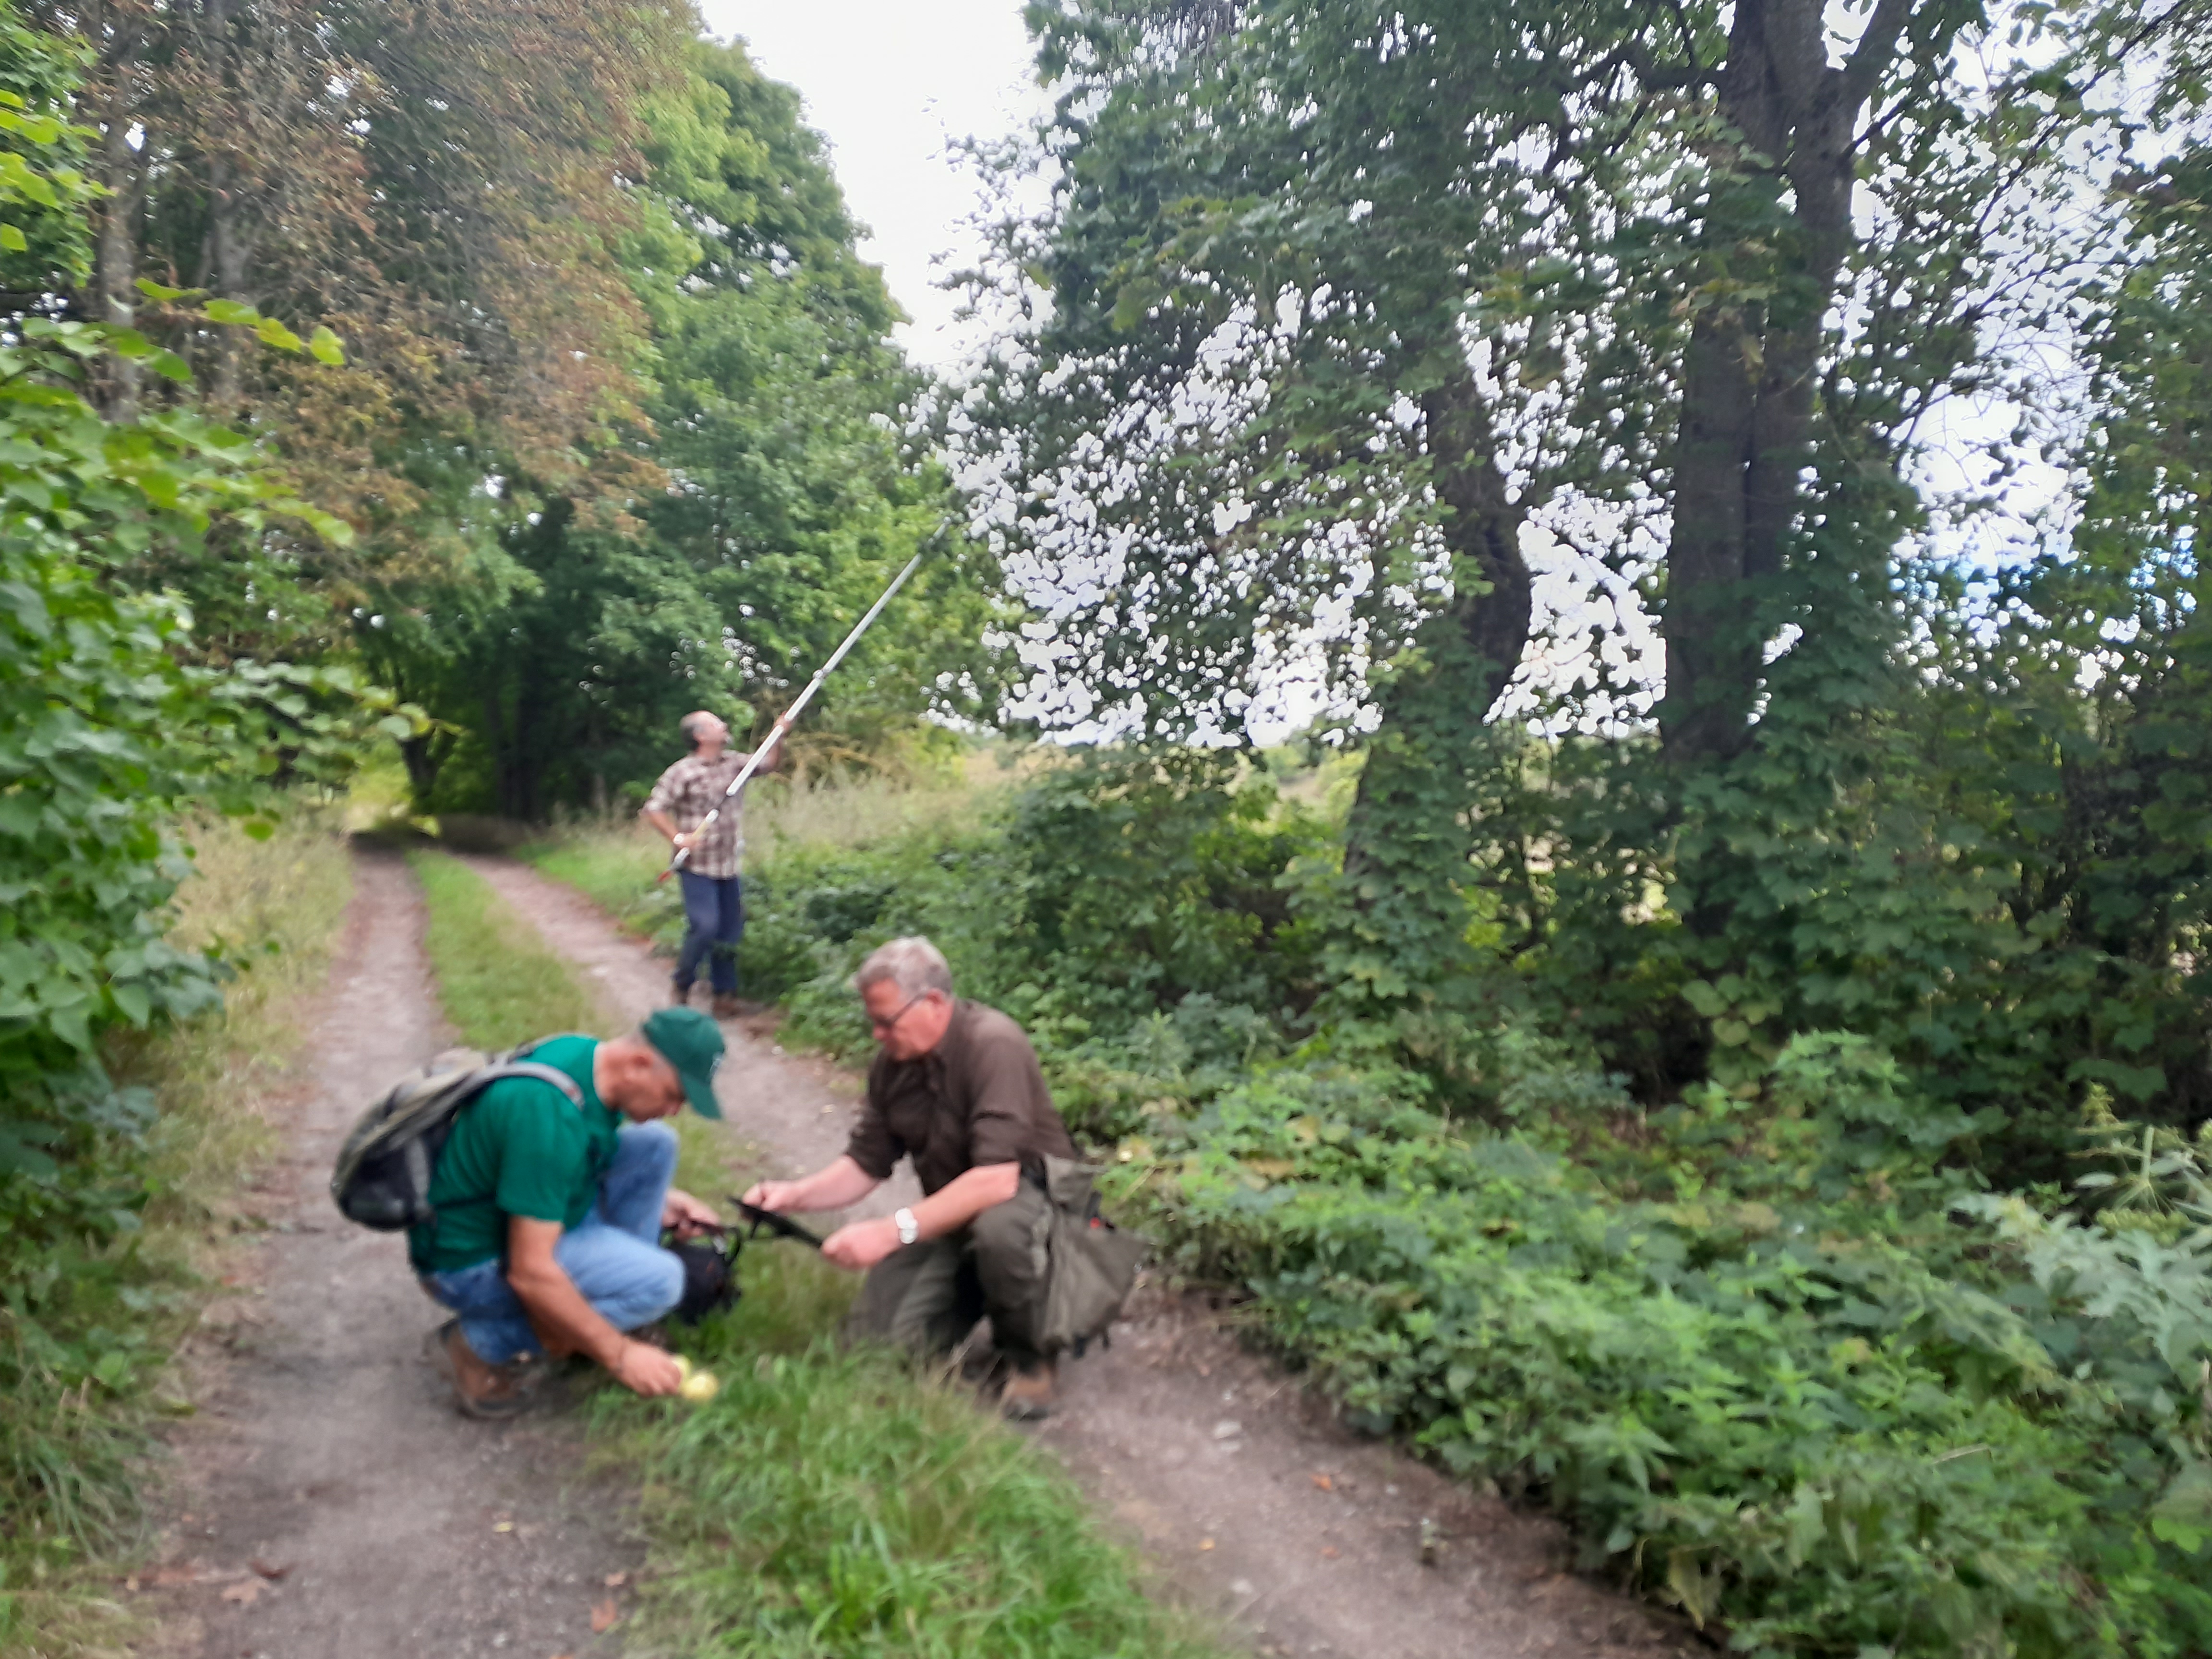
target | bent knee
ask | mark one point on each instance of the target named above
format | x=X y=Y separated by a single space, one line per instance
x=656 y=1141
x=668 y=1287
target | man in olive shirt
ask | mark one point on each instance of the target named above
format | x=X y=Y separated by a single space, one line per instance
x=546 y=1239
x=957 y=1088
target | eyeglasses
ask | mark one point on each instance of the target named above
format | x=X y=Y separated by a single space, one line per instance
x=886 y=1022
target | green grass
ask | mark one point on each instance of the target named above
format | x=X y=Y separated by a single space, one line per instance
x=87 y=1366
x=499 y=984
x=831 y=1500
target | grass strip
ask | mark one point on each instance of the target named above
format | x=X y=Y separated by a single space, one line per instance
x=614 y=866
x=830 y=1501
x=499 y=983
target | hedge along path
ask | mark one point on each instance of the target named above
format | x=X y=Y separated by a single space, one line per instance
x=331 y=1502
x=1247 y=1497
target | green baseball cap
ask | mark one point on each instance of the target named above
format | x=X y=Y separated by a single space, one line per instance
x=692 y=1043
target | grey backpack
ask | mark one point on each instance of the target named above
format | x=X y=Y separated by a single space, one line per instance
x=383 y=1175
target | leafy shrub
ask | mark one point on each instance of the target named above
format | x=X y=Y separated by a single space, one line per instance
x=1783 y=1391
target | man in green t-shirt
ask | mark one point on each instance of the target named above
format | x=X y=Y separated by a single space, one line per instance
x=547 y=1236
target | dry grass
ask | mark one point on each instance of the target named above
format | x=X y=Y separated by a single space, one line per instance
x=274 y=909
x=613 y=862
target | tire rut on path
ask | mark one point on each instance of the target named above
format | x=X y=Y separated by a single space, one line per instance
x=326 y=1451
x=1242 y=1490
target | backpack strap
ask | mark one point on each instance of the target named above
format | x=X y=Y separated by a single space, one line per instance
x=500 y=1071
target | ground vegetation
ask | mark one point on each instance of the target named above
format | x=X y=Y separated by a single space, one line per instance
x=127 y=1247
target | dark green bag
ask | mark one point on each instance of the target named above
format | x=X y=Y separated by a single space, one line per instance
x=1090 y=1264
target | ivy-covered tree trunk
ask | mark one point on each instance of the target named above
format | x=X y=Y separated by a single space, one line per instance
x=1778 y=232
x=1408 y=838
x=119 y=248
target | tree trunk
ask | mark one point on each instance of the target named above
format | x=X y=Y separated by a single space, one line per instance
x=228 y=245
x=1407 y=840
x=1747 y=395
x=119 y=241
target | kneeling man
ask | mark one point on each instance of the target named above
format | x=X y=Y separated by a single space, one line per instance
x=957 y=1088
x=547 y=1237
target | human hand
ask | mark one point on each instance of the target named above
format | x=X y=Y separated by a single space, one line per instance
x=643 y=1369
x=862 y=1245
x=685 y=1216
x=775 y=1195
x=684 y=839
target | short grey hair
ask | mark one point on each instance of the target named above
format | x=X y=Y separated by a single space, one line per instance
x=913 y=963
x=690 y=726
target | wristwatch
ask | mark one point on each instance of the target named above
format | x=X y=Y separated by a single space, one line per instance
x=909 y=1229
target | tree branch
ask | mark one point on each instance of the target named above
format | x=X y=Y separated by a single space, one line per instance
x=1874 y=51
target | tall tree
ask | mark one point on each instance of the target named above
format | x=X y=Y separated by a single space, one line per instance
x=1344 y=303
x=780 y=411
x=438 y=184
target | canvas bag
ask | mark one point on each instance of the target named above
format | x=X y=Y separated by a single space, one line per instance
x=1090 y=1264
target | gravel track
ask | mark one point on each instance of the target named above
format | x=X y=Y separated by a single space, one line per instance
x=329 y=1503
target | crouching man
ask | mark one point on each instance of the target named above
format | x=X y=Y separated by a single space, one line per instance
x=547 y=1237
x=957 y=1088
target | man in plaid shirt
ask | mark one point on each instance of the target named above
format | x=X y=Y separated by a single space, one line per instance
x=714 y=900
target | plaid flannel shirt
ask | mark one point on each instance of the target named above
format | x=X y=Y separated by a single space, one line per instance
x=691 y=789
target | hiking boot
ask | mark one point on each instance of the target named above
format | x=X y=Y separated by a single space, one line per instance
x=1032 y=1392
x=679 y=993
x=726 y=1006
x=481 y=1389
x=984 y=1369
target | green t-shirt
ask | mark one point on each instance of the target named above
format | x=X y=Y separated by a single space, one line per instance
x=519 y=1148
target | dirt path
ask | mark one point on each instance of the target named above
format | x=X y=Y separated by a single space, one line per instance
x=332 y=1505
x=1251 y=1500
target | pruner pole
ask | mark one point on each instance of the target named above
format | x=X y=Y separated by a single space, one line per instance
x=785 y=720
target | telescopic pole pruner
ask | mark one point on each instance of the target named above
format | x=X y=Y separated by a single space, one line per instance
x=785 y=720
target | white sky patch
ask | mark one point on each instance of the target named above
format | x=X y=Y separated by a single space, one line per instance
x=894 y=85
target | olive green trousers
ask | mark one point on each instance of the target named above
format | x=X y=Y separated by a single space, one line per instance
x=927 y=1296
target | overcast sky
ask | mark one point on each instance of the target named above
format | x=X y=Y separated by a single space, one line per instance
x=890 y=82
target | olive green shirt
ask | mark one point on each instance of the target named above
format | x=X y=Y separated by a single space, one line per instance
x=519 y=1148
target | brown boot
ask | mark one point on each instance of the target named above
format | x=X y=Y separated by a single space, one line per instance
x=1032 y=1392
x=679 y=994
x=726 y=1006
x=480 y=1389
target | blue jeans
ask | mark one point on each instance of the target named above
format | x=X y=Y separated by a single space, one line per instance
x=614 y=1257
x=714 y=921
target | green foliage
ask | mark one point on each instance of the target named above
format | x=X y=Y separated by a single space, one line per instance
x=109 y=735
x=791 y=495
x=1737 y=1342
x=1770 y=1345
x=101 y=1276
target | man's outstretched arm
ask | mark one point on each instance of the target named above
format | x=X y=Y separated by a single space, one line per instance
x=831 y=1187
x=558 y=1311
